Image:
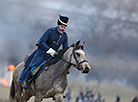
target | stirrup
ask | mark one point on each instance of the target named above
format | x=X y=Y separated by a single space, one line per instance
x=25 y=85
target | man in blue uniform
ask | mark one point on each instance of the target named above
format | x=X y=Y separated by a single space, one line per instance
x=48 y=44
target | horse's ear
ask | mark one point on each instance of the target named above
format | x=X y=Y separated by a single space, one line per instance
x=83 y=43
x=78 y=43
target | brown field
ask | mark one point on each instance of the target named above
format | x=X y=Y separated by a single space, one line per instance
x=108 y=90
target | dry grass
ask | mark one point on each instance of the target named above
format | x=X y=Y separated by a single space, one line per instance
x=108 y=90
x=4 y=94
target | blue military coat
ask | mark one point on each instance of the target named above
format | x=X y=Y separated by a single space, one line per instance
x=44 y=44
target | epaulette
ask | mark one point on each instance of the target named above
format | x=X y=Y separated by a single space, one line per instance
x=53 y=29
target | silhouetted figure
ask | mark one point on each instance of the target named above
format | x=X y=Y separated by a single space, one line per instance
x=68 y=96
x=118 y=99
x=103 y=100
x=135 y=99
x=80 y=96
x=98 y=99
x=91 y=96
x=86 y=96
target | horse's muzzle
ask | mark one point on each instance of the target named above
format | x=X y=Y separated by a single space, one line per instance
x=86 y=70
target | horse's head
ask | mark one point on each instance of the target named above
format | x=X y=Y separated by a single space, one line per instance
x=77 y=57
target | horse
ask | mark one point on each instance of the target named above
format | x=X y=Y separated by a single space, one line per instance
x=135 y=99
x=51 y=83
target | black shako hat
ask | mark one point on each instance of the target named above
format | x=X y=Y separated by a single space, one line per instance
x=62 y=20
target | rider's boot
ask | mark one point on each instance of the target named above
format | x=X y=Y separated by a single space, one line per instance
x=27 y=82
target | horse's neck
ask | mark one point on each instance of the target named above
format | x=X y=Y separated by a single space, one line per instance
x=67 y=54
x=64 y=66
x=61 y=68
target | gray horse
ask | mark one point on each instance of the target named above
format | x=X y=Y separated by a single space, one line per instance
x=53 y=82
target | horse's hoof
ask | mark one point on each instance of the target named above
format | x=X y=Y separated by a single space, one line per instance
x=64 y=96
x=68 y=72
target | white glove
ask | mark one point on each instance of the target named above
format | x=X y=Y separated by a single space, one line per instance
x=51 y=52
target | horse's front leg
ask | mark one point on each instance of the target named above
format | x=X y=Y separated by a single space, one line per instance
x=18 y=92
x=26 y=96
x=58 y=97
x=38 y=98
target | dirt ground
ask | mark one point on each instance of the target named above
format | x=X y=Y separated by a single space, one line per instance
x=3 y=100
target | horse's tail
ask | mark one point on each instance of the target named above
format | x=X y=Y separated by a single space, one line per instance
x=12 y=91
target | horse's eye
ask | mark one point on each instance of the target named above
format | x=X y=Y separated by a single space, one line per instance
x=78 y=54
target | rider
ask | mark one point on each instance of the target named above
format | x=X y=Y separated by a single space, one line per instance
x=48 y=44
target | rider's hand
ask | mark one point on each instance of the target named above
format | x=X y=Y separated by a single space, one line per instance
x=51 y=52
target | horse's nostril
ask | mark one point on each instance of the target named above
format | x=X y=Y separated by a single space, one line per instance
x=86 y=70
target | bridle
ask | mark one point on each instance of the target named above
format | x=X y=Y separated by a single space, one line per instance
x=78 y=65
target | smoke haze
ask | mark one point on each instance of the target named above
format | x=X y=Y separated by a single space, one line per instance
x=109 y=29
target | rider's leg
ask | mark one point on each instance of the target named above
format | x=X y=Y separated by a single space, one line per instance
x=28 y=80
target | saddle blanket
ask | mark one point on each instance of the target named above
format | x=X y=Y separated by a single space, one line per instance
x=35 y=71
